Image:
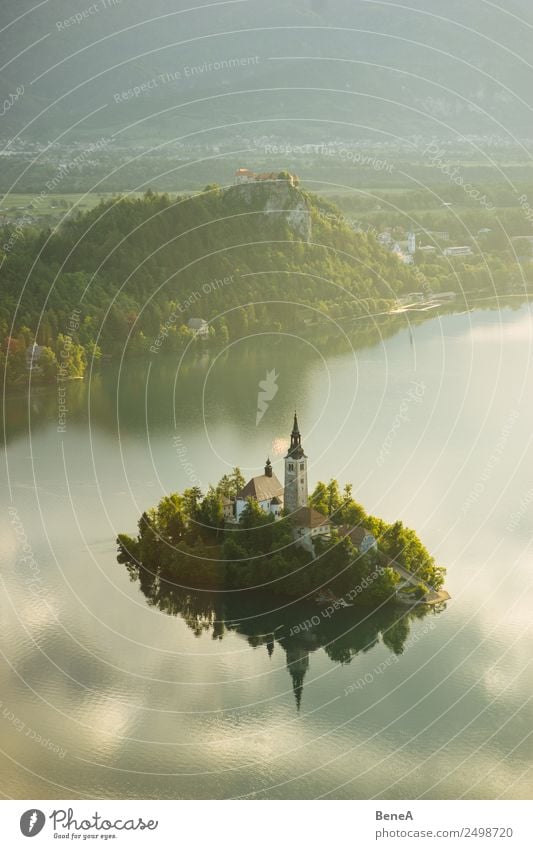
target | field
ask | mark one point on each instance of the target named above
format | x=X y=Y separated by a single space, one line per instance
x=49 y=209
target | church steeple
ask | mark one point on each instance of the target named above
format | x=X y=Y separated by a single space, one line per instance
x=296 y=449
x=268 y=468
x=295 y=428
x=297 y=664
x=295 y=491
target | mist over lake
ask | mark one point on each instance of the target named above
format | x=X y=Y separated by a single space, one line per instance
x=110 y=692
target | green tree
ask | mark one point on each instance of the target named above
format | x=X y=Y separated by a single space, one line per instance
x=48 y=364
x=171 y=520
x=211 y=513
x=319 y=498
x=334 y=501
x=230 y=485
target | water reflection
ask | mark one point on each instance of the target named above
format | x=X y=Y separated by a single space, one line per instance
x=159 y=391
x=297 y=629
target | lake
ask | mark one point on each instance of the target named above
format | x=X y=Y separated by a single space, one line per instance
x=107 y=691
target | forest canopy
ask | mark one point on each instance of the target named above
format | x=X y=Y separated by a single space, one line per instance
x=135 y=270
x=186 y=540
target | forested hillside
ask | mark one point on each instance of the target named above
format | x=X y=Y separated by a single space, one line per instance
x=130 y=274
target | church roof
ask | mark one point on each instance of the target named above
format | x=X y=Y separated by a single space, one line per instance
x=262 y=488
x=308 y=517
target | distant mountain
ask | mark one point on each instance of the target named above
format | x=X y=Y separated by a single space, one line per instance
x=297 y=69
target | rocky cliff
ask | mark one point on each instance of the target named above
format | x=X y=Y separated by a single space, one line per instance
x=279 y=201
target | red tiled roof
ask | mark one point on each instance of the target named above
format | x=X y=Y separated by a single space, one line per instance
x=308 y=517
x=356 y=534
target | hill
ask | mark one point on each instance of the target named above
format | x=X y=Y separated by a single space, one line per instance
x=128 y=275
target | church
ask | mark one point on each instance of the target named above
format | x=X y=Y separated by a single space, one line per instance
x=292 y=497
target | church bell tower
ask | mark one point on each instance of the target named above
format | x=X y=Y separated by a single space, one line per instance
x=295 y=493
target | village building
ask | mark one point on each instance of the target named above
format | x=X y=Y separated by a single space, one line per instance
x=244 y=175
x=228 y=506
x=199 y=327
x=458 y=250
x=309 y=524
x=362 y=538
x=33 y=355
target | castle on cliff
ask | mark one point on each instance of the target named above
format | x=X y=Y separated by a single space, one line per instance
x=244 y=175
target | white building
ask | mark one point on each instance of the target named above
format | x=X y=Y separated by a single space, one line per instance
x=459 y=250
x=266 y=490
x=199 y=327
x=361 y=537
x=411 y=242
x=308 y=525
x=243 y=175
x=33 y=356
x=228 y=505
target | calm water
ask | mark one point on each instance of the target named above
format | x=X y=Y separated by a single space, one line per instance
x=160 y=695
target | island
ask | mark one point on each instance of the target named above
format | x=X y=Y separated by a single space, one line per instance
x=264 y=536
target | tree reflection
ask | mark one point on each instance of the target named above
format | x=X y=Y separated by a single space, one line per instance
x=297 y=629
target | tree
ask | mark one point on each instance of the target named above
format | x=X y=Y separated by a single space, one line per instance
x=256 y=526
x=335 y=564
x=149 y=541
x=334 y=501
x=319 y=498
x=223 y=334
x=171 y=519
x=16 y=365
x=353 y=514
x=48 y=364
x=71 y=357
x=230 y=485
x=395 y=635
x=382 y=587
x=211 y=513
x=191 y=506
x=128 y=549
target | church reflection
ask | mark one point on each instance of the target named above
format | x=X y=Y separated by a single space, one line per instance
x=297 y=664
x=298 y=629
